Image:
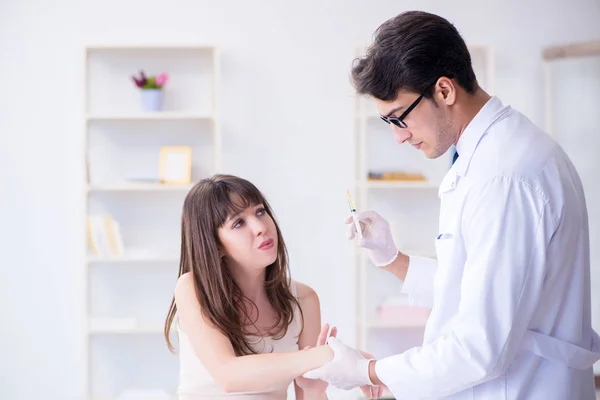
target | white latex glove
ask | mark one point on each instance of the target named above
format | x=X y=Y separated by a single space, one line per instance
x=348 y=369
x=376 y=237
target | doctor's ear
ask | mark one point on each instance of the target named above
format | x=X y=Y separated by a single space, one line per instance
x=445 y=91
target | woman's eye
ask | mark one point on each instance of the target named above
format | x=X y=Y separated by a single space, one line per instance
x=261 y=211
x=238 y=223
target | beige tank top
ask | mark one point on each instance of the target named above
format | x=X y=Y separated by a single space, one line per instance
x=195 y=382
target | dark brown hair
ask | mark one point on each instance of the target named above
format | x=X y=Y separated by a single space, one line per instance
x=412 y=51
x=206 y=208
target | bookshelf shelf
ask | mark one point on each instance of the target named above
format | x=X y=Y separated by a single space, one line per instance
x=139 y=187
x=152 y=116
x=133 y=260
x=372 y=184
x=126 y=331
x=133 y=219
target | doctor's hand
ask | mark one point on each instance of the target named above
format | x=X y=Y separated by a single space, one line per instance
x=316 y=387
x=348 y=369
x=377 y=237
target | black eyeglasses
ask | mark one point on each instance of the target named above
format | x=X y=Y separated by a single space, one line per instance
x=399 y=121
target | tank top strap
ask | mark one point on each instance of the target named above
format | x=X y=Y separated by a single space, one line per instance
x=293 y=288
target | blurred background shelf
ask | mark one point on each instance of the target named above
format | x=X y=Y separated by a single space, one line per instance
x=139 y=187
x=149 y=116
x=134 y=219
x=133 y=260
x=427 y=185
x=128 y=331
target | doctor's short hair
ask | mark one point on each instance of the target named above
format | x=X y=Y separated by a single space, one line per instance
x=411 y=52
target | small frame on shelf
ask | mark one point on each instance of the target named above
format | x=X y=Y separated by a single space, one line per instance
x=176 y=165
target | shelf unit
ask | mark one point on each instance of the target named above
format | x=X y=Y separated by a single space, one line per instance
x=138 y=187
x=554 y=54
x=125 y=296
x=411 y=207
x=571 y=83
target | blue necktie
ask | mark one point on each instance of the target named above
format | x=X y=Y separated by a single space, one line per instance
x=455 y=157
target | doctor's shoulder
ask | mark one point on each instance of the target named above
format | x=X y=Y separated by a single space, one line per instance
x=515 y=148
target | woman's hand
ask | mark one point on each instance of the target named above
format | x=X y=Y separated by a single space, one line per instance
x=315 y=388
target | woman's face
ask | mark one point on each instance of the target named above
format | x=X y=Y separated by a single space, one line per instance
x=249 y=239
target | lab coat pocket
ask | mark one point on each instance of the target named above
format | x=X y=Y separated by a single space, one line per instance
x=444 y=248
x=450 y=258
x=444 y=243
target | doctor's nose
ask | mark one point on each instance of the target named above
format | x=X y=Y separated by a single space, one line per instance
x=401 y=135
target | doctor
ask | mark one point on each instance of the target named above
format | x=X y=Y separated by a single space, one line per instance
x=510 y=290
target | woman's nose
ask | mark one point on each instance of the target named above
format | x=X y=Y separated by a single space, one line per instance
x=258 y=226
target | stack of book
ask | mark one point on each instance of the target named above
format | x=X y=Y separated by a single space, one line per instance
x=104 y=236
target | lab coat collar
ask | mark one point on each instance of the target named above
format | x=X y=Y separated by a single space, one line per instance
x=491 y=111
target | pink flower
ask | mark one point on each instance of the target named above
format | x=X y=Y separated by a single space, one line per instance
x=162 y=78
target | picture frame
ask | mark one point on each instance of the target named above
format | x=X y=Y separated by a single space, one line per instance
x=175 y=165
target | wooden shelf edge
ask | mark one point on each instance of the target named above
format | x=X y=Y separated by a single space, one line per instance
x=150 y=116
x=380 y=325
x=131 y=260
x=572 y=50
x=149 y=46
x=138 y=187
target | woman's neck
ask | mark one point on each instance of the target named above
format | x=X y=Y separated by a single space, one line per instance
x=251 y=283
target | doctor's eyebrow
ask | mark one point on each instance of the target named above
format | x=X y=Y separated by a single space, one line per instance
x=395 y=110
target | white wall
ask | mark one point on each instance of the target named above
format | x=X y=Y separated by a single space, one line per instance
x=287 y=110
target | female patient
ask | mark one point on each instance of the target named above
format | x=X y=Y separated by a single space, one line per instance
x=241 y=319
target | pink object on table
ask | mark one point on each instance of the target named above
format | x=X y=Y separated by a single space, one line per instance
x=402 y=315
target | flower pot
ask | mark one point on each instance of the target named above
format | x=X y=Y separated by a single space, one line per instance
x=152 y=99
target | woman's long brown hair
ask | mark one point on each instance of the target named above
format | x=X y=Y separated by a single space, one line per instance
x=206 y=207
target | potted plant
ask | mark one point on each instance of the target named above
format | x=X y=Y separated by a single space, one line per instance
x=151 y=88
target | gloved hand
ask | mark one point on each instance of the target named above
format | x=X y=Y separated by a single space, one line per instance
x=377 y=237
x=348 y=369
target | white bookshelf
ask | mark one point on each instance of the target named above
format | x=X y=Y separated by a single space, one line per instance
x=411 y=207
x=571 y=85
x=149 y=116
x=138 y=187
x=383 y=185
x=125 y=295
x=94 y=260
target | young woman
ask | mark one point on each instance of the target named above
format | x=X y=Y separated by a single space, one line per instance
x=240 y=318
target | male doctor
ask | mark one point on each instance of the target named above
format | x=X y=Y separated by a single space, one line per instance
x=510 y=290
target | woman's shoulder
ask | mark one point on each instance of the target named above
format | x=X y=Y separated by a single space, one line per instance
x=305 y=293
x=184 y=288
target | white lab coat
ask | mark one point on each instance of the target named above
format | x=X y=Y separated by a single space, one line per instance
x=510 y=290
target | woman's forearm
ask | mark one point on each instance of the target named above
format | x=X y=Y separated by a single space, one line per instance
x=302 y=394
x=264 y=371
